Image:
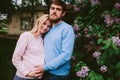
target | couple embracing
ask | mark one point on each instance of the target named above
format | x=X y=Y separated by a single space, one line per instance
x=36 y=58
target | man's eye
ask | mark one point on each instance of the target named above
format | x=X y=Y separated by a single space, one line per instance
x=59 y=9
x=44 y=23
x=52 y=8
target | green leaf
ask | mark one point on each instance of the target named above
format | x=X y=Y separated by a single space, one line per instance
x=101 y=62
x=100 y=40
x=116 y=49
x=79 y=65
x=118 y=65
x=93 y=76
x=91 y=11
x=107 y=44
x=110 y=78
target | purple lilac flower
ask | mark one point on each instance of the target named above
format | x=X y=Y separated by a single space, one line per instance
x=76 y=8
x=95 y=36
x=80 y=1
x=116 y=20
x=108 y=20
x=76 y=27
x=94 y=1
x=103 y=68
x=78 y=35
x=89 y=27
x=80 y=74
x=91 y=42
x=96 y=55
x=83 y=72
x=117 y=5
x=116 y=40
x=107 y=16
x=87 y=35
x=73 y=58
x=85 y=69
x=86 y=30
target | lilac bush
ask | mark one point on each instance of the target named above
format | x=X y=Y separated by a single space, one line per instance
x=83 y=72
x=97 y=46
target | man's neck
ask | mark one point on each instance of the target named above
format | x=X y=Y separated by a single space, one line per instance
x=56 y=23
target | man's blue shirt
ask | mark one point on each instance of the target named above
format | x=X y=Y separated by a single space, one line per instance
x=59 y=43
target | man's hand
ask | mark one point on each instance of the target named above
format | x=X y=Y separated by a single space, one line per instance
x=39 y=68
x=34 y=74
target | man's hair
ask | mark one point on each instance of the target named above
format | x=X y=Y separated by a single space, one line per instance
x=60 y=3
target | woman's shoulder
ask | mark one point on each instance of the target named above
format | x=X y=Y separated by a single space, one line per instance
x=26 y=34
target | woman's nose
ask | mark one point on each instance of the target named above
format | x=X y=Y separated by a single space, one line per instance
x=45 y=27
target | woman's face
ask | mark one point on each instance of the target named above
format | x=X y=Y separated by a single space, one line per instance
x=45 y=27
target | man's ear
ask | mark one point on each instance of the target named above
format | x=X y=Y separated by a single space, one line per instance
x=64 y=13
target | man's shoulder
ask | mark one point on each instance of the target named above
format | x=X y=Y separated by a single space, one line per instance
x=66 y=25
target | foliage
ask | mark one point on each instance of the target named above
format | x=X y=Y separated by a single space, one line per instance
x=6 y=6
x=7 y=46
x=97 y=46
x=3 y=23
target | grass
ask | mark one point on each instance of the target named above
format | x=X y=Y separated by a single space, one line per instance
x=7 y=70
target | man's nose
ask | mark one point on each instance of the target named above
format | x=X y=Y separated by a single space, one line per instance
x=55 y=10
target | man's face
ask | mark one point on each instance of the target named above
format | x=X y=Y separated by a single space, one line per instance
x=56 y=13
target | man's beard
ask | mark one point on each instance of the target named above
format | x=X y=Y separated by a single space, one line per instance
x=55 y=20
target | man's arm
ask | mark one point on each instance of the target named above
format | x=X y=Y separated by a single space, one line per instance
x=66 y=53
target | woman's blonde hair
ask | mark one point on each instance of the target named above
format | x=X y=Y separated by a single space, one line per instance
x=38 y=23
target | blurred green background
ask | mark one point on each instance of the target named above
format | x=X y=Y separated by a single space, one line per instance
x=7 y=46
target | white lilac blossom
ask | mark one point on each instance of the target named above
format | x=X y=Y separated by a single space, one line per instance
x=117 y=5
x=96 y=55
x=103 y=69
x=116 y=40
x=83 y=72
x=108 y=20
